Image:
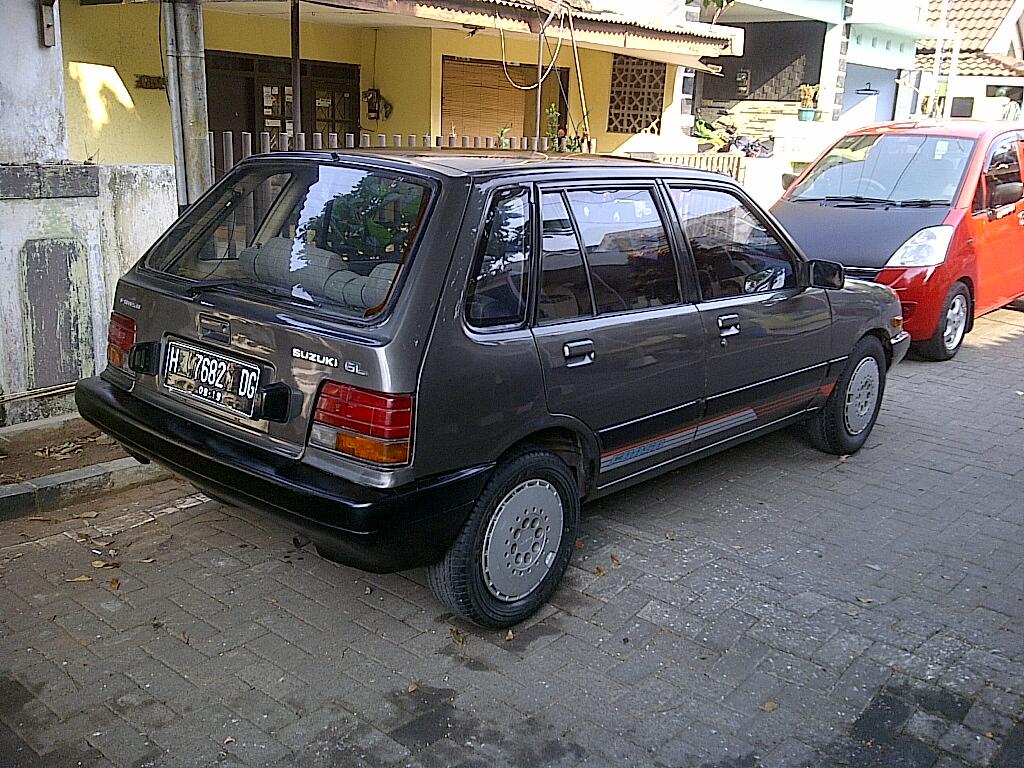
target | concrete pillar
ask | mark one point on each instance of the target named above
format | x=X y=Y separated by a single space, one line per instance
x=32 y=127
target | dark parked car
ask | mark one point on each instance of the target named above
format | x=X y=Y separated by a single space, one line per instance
x=431 y=359
x=934 y=210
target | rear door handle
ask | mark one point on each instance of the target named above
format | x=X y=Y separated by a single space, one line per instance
x=728 y=325
x=578 y=353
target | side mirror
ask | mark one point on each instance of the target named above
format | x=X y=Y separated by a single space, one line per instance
x=1006 y=194
x=788 y=179
x=825 y=274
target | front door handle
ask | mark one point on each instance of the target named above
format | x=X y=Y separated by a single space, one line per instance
x=578 y=353
x=728 y=325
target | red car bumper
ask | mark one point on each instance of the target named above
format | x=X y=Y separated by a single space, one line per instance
x=922 y=292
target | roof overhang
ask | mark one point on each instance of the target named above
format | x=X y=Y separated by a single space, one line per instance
x=683 y=44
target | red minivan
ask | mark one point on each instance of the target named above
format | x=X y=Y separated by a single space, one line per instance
x=933 y=209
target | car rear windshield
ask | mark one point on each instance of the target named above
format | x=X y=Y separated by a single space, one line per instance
x=889 y=168
x=327 y=235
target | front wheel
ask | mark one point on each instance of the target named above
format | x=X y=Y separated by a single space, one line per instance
x=843 y=424
x=513 y=550
x=952 y=327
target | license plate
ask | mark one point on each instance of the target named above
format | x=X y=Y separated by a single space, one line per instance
x=208 y=376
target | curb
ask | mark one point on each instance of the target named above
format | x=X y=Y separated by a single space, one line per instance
x=62 y=488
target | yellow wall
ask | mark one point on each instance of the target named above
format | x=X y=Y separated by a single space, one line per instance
x=114 y=43
x=404 y=63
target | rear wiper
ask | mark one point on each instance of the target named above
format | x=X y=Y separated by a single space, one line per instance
x=921 y=203
x=268 y=290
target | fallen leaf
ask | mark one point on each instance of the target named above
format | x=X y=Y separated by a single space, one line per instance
x=844 y=457
x=599 y=571
x=148 y=560
x=40 y=519
x=99 y=543
x=229 y=740
x=580 y=544
x=510 y=636
x=53 y=618
x=412 y=688
x=85 y=515
x=615 y=560
x=989 y=735
x=105 y=564
x=458 y=637
x=183 y=637
x=769 y=706
x=865 y=600
x=115 y=584
x=80 y=578
x=369 y=590
x=671 y=536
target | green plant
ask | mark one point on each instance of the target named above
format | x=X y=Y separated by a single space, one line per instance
x=718 y=5
x=551 y=114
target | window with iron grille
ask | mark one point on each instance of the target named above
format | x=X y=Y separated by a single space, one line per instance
x=637 y=95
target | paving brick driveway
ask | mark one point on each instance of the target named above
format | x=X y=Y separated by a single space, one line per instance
x=772 y=606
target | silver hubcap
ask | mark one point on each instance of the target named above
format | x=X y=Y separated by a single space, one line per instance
x=956 y=322
x=522 y=540
x=861 y=396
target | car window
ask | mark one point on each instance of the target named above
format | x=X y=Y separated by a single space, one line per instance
x=564 y=290
x=330 y=235
x=888 y=168
x=733 y=252
x=1003 y=166
x=627 y=250
x=497 y=288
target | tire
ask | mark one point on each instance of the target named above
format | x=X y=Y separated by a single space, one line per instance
x=842 y=426
x=493 y=581
x=952 y=326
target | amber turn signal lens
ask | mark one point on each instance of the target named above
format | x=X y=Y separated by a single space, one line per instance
x=116 y=357
x=897 y=323
x=369 y=449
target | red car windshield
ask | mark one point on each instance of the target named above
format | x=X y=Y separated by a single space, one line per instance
x=889 y=168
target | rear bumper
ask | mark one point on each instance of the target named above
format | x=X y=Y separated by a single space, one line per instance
x=380 y=530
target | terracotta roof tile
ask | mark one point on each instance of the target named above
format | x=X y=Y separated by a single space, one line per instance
x=977 y=20
x=973 y=64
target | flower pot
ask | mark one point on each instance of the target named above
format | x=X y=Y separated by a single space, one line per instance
x=806 y=114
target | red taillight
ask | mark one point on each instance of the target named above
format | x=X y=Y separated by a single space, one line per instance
x=369 y=425
x=120 y=339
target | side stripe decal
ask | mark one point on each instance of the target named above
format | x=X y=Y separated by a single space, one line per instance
x=680 y=437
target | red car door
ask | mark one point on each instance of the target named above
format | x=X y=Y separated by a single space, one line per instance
x=998 y=231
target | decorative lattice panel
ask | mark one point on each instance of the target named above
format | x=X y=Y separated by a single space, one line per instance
x=637 y=95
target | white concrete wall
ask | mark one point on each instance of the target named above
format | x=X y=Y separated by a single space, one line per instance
x=32 y=126
x=134 y=206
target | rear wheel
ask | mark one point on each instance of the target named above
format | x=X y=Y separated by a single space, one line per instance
x=952 y=327
x=514 y=548
x=842 y=426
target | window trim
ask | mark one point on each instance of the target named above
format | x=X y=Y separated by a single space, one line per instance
x=791 y=249
x=652 y=186
x=483 y=233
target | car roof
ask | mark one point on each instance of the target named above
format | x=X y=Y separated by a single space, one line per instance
x=959 y=128
x=468 y=162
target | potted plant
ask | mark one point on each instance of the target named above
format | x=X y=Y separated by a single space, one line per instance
x=808 y=102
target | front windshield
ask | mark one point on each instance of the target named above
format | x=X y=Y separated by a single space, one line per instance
x=326 y=235
x=889 y=168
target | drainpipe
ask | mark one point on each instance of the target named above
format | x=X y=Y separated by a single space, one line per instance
x=940 y=43
x=296 y=74
x=174 y=101
x=195 y=125
x=954 y=63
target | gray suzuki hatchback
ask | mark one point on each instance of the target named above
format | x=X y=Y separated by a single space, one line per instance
x=431 y=359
